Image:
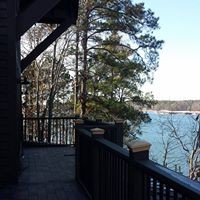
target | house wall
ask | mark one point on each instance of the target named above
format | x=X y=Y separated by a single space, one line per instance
x=9 y=93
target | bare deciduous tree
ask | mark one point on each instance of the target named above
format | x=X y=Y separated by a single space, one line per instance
x=181 y=134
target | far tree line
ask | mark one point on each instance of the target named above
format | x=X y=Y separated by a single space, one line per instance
x=185 y=105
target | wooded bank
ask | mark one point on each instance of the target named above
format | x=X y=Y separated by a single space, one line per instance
x=185 y=105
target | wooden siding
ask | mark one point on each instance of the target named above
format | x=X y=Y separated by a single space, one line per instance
x=9 y=113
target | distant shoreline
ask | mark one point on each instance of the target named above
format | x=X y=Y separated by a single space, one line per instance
x=173 y=112
x=179 y=107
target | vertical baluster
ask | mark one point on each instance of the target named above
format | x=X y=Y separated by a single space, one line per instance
x=109 y=175
x=60 y=129
x=117 y=177
x=126 y=180
x=24 y=129
x=63 y=130
x=49 y=138
x=70 y=132
x=113 y=176
x=32 y=131
x=175 y=194
x=37 y=129
x=67 y=131
x=123 y=182
x=51 y=133
x=54 y=132
x=40 y=130
x=161 y=191
x=56 y=129
x=104 y=174
x=46 y=129
x=148 y=192
x=101 y=174
x=146 y=185
x=106 y=177
x=167 y=192
x=184 y=197
x=120 y=178
x=154 y=188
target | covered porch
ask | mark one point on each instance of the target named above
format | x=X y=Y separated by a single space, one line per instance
x=46 y=173
x=94 y=167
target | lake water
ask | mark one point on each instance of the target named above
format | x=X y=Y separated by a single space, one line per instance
x=161 y=133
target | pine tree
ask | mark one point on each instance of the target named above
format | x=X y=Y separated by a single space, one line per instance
x=120 y=53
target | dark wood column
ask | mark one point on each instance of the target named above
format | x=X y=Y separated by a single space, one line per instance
x=9 y=93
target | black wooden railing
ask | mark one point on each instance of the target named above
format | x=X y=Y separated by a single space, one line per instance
x=52 y=131
x=108 y=172
x=60 y=130
x=113 y=131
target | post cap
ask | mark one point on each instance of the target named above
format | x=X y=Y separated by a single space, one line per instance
x=97 y=131
x=138 y=146
x=119 y=121
x=79 y=121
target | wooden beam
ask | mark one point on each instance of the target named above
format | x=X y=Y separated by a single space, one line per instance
x=33 y=14
x=44 y=44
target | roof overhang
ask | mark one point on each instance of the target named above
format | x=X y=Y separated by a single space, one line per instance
x=64 y=9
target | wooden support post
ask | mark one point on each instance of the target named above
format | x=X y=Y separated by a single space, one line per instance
x=96 y=133
x=119 y=132
x=77 y=123
x=138 y=151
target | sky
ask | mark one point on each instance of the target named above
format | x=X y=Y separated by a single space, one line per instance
x=178 y=74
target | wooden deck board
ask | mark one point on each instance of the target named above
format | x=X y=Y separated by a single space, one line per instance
x=48 y=173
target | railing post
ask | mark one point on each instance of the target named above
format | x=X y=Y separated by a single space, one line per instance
x=77 y=122
x=96 y=133
x=138 y=150
x=119 y=132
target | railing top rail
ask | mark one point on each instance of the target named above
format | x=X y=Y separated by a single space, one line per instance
x=170 y=177
x=103 y=126
x=89 y=121
x=154 y=170
x=106 y=144
x=45 y=118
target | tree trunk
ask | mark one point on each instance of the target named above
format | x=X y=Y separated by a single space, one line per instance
x=76 y=84
x=40 y=133
x=52 y=93
x=83 y=98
